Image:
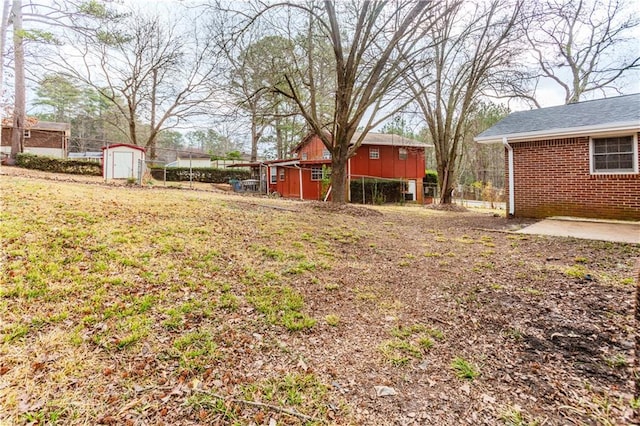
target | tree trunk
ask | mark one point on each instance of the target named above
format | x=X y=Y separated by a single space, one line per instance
x=4 y=25
x=445 y=181
x=338 y=180
x=279 y=141
x=151 y=145
x=17 y=138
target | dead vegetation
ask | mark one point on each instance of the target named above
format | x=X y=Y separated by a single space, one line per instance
x=129 y=306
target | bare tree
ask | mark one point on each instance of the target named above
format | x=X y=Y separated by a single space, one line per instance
x=256 y=67
x=17 y=135
x=151 y=70
x=472 y=56
x=371 y=44
x=584 y=46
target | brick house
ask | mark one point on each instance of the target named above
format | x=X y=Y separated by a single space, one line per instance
x=42 y=138
x=572 y=160
x=383 y=156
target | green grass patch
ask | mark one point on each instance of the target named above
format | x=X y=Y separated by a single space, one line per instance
x=464 y=369
x=281 y=305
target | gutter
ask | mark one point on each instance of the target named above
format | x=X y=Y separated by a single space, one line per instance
x=568 y=132
x=512 y=195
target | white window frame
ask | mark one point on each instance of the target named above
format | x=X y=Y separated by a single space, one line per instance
x=316 y=173
x=273 y=174
x=403 y=153
x=326 y=155
x=305 y=156
x=281 y=174
x=374 y=153
x=634 y=147
x=26 y=133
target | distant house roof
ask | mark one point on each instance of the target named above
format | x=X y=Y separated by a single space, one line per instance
x=620 y=113
x=44 y=125
x=194 y=156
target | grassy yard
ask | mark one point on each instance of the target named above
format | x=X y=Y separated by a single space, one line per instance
x=163 y=306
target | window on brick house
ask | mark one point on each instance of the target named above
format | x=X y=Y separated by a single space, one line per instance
x=374 y=153
x=402 y=154
x=273 y=174
x=281 y=173
x=305 y=156
x=27 y=133
x=614 y=154
x=326 y=155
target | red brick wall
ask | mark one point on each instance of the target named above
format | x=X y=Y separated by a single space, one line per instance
x=552 y=178
x=38 y=139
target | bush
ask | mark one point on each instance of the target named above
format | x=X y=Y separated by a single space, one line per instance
x=204 y=174
x=377 y=191
x=58 y=165
x=431 y=177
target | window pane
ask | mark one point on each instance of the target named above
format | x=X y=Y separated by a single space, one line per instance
x=625 y=146
x=613 y=154
x=626 y=161
x=599 y=147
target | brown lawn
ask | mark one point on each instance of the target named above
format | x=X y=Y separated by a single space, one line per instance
x=162 y=306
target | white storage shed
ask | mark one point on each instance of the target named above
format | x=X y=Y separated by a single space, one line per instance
x=122 y=161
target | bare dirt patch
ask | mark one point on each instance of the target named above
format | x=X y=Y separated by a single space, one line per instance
x=124 y=306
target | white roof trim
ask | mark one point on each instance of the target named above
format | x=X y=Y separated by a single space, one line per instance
x=285 y=163
x=627 y=126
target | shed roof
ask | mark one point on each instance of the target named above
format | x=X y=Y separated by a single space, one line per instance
x=620 y=113
x=127 y=145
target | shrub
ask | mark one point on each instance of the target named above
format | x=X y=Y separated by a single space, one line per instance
x=431 y=176
x=377 y=191
x=203 y=174
x=58 y=165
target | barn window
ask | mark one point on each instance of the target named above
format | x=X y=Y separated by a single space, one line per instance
x=27 y=133
x=273 y=174
x=614 y=154
x=374 y=153
x=326 y=155
x=316 y=173
x=402 y=153
x=281 y=173
x=305 y=156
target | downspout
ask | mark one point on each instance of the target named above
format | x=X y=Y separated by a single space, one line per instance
x=300 y=177
x=348 y=181
x=512 y=195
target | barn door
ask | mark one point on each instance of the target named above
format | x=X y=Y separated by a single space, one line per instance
x=122 y=165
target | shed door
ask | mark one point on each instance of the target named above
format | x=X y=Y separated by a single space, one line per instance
x=122 y=165
x=412 y=189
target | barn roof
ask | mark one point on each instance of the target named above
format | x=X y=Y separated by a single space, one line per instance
x=373 y=138
x=620 y=113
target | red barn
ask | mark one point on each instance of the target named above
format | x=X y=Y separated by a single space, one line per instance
x=380 y=156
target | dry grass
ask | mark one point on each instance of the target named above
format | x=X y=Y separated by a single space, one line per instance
x=135 y=306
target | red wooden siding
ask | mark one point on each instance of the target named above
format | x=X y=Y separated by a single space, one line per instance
x=389 y=165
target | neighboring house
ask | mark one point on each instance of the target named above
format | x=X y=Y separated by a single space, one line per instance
x=42 y=138
x=122 y=161
x=379 y=156
x=193 y=160
x=572 y=160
